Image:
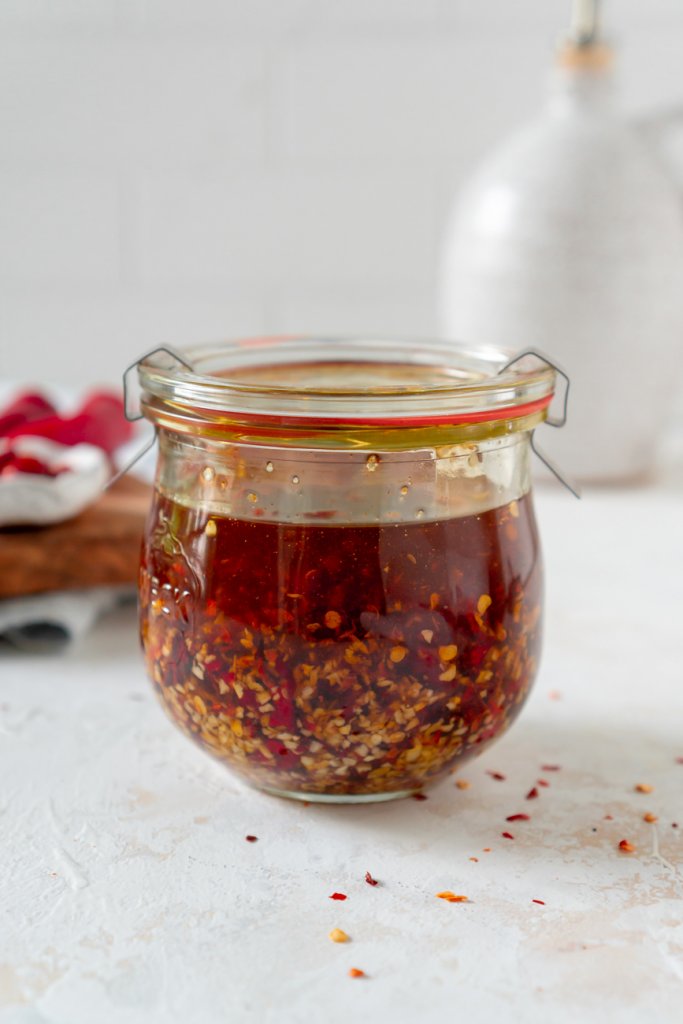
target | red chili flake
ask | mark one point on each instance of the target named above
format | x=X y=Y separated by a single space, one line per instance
x=370 y=880
x=507 y=835
x=626 y=847
x=550 y=767
x=355 y=972
x=338 y=896
x=419 y=796
x=532 y=794
x=251 y=839
x=475 y=859
x=487 y=849
x=555 y=695
x=542 y=902
x=608 y=817
x=451 y=897
x=542 y=782
x=650 y=818
x=679 y=760
x=674 y=824
x=498 y=776
x=518 y=817
x=643 y=787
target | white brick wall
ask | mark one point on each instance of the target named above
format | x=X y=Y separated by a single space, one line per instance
x=183 y=170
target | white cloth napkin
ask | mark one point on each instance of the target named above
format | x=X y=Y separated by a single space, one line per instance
x=48 y=622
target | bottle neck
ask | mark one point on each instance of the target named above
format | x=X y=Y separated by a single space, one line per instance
x=583 y=79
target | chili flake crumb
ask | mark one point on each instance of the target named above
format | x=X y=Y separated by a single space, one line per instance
x=475 y=859
x=355 y=972
x=332 y=620
x=517 y=817
x=679 y=760
x=542 y=902
x=550 y=768
x=397 y=654
x=674 y=824
x=487 y=849
x=555 y=695
x=451 y=897
x=338 y=896
x=337 y=935
x=542 y=782
x=626 y=847
x=507 y=835
x=643 y=787
x=608 y=817
x=370 y=880
x=498 y=776
x=251 y=839
x=462 y=783
x=532 y=794
x=650 y=817
x=419 y=796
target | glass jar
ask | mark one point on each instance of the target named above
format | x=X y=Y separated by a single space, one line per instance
x=340 y=591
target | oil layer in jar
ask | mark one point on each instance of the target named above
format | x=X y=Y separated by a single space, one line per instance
x=341 y=660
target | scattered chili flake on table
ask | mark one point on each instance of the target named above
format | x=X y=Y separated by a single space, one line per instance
x=462 y=784
x=507 y=835
x=674 y=824
x=419 y=796
x=337 y=935
x=650 y=817
x=451 y=897
x=251 y=839
x=550 y=768
x=679 y=760
x=532 y=794
x=518 y=817
x=355 y=972
x=643 y=787
x=608 y=817
x=626 y=847
x=338 y=896
x=475 y=859
x=498 y=776
x=542 y=902
x=543 y=782
x=555 y=695
x=370 y=880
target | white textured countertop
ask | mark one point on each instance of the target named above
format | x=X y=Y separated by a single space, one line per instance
x=129 y=894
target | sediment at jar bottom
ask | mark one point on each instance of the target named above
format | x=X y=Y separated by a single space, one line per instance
x=341 y=660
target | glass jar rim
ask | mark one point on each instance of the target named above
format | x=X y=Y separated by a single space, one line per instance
x=310 y=380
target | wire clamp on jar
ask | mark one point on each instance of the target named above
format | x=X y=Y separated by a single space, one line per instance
x=551 y=421
x=134 y=416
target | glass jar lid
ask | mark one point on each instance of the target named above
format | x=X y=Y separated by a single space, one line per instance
x=345 y=390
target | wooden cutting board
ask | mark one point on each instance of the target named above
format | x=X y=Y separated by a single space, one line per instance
x=98 y=548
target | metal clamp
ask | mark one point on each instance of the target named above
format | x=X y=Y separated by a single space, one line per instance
x=133 y=366
x=552 y=421
x=133 y=418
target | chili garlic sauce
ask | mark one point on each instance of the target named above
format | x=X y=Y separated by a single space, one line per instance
x=337 y=659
